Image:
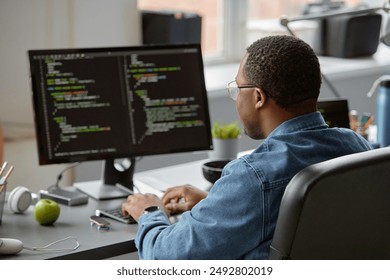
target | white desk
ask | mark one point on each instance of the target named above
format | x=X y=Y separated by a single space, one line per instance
x=74 y=221
x=181 y=174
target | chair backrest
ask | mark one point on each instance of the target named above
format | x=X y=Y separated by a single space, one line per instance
x=337 y=209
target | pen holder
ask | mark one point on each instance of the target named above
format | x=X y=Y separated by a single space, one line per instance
x=3 y=189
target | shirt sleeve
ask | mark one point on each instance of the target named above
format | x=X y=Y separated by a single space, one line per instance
x=225 y=225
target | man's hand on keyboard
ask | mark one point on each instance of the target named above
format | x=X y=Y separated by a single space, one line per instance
x=182 y=198
x=137 y=203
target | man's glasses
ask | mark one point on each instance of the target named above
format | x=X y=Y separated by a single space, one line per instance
x=233 y=89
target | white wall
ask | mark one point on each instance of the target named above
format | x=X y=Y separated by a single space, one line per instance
x=27 y=24
x=42 y=24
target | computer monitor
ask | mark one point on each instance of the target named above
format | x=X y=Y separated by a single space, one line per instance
x=118 y=102
x=335 y=112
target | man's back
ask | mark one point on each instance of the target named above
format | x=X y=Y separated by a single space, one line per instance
x=294 y=145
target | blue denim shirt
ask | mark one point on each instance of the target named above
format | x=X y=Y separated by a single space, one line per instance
x=238 y=217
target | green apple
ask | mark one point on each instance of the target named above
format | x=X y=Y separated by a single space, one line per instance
x=46 y=211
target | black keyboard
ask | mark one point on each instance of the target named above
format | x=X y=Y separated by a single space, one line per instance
x=116 y=214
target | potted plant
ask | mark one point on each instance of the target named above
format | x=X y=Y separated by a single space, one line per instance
x=225 y=141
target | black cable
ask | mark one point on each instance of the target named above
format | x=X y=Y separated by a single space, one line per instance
x=330 y=85
x=59 y=177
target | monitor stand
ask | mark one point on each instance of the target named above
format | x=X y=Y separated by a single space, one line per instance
x=117 y=181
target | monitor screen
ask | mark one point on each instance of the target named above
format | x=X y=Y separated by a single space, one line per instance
x=335 y=112
x=122 y=102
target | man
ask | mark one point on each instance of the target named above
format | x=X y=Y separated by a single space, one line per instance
x=276 y=91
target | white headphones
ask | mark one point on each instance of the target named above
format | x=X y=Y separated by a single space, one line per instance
x=19 y=199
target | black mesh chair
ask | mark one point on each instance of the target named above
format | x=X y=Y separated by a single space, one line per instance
x=337 y=209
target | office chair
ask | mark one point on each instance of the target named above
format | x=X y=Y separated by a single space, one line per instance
x=337 y=209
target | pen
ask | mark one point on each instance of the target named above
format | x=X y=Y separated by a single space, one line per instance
x=365 y=117
x=353 y=117
x=5 y=177
x=368 y=122
x=364 y=123
x=3 y=167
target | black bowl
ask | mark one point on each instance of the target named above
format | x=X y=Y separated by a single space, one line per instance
x=212 y=170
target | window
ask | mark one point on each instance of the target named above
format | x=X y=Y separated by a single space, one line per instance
x=265 y=9
x=228 y=26
x=209 y=10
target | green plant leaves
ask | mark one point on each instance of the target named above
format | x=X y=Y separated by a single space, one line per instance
x=227 y=131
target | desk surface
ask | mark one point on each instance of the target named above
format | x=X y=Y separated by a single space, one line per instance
x=74 y=221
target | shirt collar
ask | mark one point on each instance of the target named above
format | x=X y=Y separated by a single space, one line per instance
x=303 y=122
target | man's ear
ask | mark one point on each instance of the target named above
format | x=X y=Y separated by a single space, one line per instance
x=261 y=98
